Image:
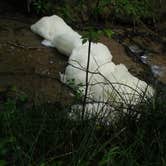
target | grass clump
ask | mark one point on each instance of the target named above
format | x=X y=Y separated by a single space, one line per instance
x=45 y=136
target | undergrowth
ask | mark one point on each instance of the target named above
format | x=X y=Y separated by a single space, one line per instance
x=101 y=10
x=45 y=136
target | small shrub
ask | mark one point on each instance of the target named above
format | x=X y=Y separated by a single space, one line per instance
x=41 y=6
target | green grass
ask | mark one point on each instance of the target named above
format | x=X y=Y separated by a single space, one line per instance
x=45 y=136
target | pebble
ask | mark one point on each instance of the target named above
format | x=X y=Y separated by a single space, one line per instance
x=135 y=49
x=158 y=70
x=51 y=62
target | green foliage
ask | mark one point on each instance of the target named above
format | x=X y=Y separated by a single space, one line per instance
x=76 y=88
x=95 y=34
x=100 y=10
x=108 y=32
x=3 y=163
x=4 y=148
x=45 y=136
x=135 y=9
x=131 y=10
x=10 y=105
x=41 y=6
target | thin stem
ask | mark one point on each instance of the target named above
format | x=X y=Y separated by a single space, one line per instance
x=86 y=82
x=97 y=3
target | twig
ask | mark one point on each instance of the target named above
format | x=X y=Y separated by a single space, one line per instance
x=108 y=82
x=87 y=73
x=22 y=46
x=59 y=156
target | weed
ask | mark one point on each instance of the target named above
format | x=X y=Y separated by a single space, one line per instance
x=44 y=135
x=41 y=6
x=77 y=88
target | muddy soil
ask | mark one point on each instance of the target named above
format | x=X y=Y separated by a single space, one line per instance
x=34 y=69
x=27 y=65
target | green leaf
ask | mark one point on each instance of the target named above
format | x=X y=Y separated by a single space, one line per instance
x=108 y=32
x=3 y=163
x=84 y=40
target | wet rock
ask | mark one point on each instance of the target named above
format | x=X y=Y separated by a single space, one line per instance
x=144 y=59
x=147 y=49
x=134 y=49
x=158 y=71
x=120 y=56
x=51 y=62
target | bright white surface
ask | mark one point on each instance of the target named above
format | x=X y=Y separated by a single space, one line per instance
x=107 y=81
x=57 y=34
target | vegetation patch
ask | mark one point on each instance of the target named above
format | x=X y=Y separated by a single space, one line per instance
x=102 y=10
x=44 y=135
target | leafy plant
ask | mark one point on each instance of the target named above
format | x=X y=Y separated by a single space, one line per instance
x=108 y=157
x=41 y=6
x=5 y=144
x=132 y=10
x=10 y=105
x=96 y=34
x=76 y=87
x=135 y=9
x=44 y=136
